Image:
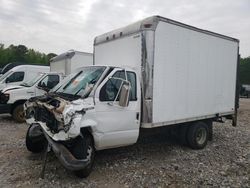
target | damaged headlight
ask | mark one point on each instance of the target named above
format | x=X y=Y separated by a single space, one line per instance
x=68 y=117
x=29 y=112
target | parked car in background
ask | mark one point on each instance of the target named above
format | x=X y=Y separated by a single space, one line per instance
x=9 y=66
x=21 y=74
x=245 y=90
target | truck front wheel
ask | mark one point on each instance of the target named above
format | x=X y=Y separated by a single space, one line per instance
x=84 y=148
x=35 y=140
x=197 y=135
x=18 y=113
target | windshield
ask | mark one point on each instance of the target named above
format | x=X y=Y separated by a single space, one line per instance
x=77 y=82
x=5 y=75
x=32 y=82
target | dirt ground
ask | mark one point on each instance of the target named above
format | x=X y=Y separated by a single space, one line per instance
x=156 y=161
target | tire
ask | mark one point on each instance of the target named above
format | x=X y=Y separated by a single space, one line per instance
x=182 y=137
x=80 y=151
x=37 y=142
x=18 y=113
x=210 y=130
x=197 y=135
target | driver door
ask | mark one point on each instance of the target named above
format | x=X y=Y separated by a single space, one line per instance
x=117 y=125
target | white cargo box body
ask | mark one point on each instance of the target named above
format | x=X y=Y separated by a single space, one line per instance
x=186 y=73
x=70 y=61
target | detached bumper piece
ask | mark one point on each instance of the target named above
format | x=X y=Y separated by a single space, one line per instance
x=65 y=157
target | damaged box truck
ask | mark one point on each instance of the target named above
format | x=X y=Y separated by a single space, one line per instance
x=153 y=73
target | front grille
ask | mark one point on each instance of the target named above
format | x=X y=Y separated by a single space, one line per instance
x=43 y=115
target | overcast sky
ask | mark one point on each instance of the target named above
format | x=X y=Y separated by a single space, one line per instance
x=59 y=25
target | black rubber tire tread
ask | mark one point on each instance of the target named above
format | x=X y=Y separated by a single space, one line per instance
x=191 y=135
x=210 y=130
x=79 y=151
x=182 y=137
x=15 y=113
x=35 y=146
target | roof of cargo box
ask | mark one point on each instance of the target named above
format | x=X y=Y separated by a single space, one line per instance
x=150 y=23
x=69 y=54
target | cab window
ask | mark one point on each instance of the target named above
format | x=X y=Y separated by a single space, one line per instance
x=15 y=77
x=49 y=81
x=111 y=88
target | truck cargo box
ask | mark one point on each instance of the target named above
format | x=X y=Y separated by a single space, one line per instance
x=187 y=73
x=70 y=61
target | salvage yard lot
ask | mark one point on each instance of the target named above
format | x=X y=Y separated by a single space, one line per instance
x=156 y=161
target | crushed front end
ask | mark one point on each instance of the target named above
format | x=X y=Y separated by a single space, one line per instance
x=54 y=117
x=65 y=119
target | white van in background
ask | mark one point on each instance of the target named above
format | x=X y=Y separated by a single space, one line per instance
x=21 y=74
x=12 y=98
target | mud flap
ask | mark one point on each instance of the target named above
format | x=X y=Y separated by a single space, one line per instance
x=234 y=118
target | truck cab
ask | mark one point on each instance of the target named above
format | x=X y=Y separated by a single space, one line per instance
x=12 y=98
x=86 y=104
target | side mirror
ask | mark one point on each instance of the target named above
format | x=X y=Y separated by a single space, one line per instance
x=124 y=94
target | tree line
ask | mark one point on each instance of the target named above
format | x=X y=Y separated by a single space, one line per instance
x=22 y=54
x=244 y=70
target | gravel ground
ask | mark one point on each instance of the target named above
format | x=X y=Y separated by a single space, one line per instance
x=153 y=162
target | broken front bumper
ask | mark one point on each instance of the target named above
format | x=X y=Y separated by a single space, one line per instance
x=65 y=156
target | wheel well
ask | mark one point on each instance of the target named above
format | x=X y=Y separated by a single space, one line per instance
x=183 y=128
x=87 y=130
x=209 y=124
x=16 y=104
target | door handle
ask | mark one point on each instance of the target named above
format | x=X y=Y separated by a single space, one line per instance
x=137 y=115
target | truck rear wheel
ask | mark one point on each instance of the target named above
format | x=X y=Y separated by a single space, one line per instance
x=35 y=140
x=18 y=113
x=197 y=135
x=84 y=148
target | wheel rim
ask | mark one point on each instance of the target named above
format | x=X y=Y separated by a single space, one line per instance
x=89 y=153
x=20 y=115
x=35 y=131
x=201 y=136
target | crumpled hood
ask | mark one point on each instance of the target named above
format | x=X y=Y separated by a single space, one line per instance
x=77 y=106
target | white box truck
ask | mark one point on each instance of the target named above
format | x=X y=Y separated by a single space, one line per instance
x=154 y=73
x=13 y=97
x=70 y=61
